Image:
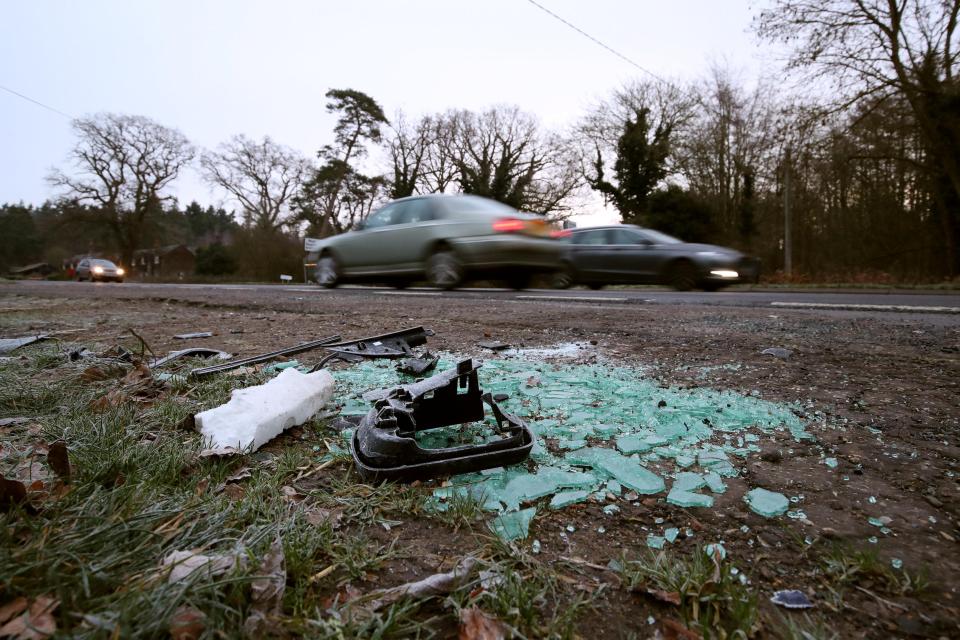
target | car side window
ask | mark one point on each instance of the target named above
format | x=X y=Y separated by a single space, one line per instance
x=591 y=237
x=627 y=236
x=414 y=211
x=83 y=263
x=385 y=217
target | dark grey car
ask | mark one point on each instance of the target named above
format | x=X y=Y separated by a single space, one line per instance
x=94 y=269
x=625 y=254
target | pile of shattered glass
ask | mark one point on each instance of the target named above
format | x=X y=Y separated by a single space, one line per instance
x=599 y=429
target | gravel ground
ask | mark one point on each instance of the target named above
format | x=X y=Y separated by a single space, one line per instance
x=880 y=394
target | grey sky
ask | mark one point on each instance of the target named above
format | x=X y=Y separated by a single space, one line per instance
x=216 y=68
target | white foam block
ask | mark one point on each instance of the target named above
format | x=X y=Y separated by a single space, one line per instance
x=256 y=415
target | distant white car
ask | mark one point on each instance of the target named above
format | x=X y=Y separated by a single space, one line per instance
x=94 y=269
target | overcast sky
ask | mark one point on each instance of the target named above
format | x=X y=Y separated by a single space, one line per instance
x=217 y=68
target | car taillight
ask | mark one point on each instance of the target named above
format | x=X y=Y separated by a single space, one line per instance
x=560 y=233
x=509 y=225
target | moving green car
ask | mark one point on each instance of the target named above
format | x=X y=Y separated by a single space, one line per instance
x=444 y=240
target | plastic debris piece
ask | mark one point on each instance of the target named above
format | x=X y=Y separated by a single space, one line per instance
x=493 y=345
x=689 y=499
x=419 y=365
x=194 y=352
x=766 y=503
x=566 y=498
x=10 y=344
x=777 y=352
x=626 y=471
x=514 y=525
x=611 y=509
x=193 y=336
x=655 y=542
x=256 y=415
x=671 y=534
x=791 y=599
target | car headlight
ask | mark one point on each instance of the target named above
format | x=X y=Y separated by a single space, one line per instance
x=119 y=271
x=725 y=273
x=98 y=269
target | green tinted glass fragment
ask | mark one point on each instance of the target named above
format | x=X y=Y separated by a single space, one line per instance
x=655 y=542
x=671 y=534
x=767 y=503
x=514 y=525
x=626 y=471
x=714 y=482
x=566 y=498
x=686 y=481
x=689 y=499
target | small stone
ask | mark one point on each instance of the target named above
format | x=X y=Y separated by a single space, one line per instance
x=933 y=501
x=829 y=533
x=535 y=546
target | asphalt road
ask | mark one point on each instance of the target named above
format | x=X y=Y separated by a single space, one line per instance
x=826 y=302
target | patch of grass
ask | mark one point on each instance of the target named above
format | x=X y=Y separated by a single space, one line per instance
x=713 y=600
x=844 y=566
x=365 y=504
x=525 y=594
x=461 y=509
x=803 y=627
x=400 y=620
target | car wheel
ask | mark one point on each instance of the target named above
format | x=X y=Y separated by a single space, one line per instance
x=444 y=271
x=327 y=272
x=400 y=284
x=713 y=286
x=683 y=276
x=564 y=278
x=596 y=286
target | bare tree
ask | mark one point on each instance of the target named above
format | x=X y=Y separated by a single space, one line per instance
x=123 y=166
x=262 y=176
x=880 y=50
x=439 y=172
x=408 y=145
x=503 y=154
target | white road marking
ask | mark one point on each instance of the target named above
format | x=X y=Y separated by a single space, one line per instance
x=903 y=308
x=407 y=293
x=573 y=298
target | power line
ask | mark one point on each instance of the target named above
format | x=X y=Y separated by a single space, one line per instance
x=37 y=102
x=590 y=37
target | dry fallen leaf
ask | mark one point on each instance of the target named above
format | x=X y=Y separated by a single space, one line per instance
x=670 y=597
x=477 y=625
x=139 y=373
x=183 y=564
x=35 y=623
x=235 y=491
x=187 y=623
x=12 y=492
x=316 y=516
x=13 y=608
x=266 y=591
x=113 y=398
x=674 y=630
x=59 y=460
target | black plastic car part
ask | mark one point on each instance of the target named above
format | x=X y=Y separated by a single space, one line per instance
x=389 y=345
x=384 y=446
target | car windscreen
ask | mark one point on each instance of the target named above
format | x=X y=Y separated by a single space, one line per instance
x=103 y=263
x=474 y=204
x=660 y=238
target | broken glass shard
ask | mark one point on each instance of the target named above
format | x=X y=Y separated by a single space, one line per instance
x=767 y=503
